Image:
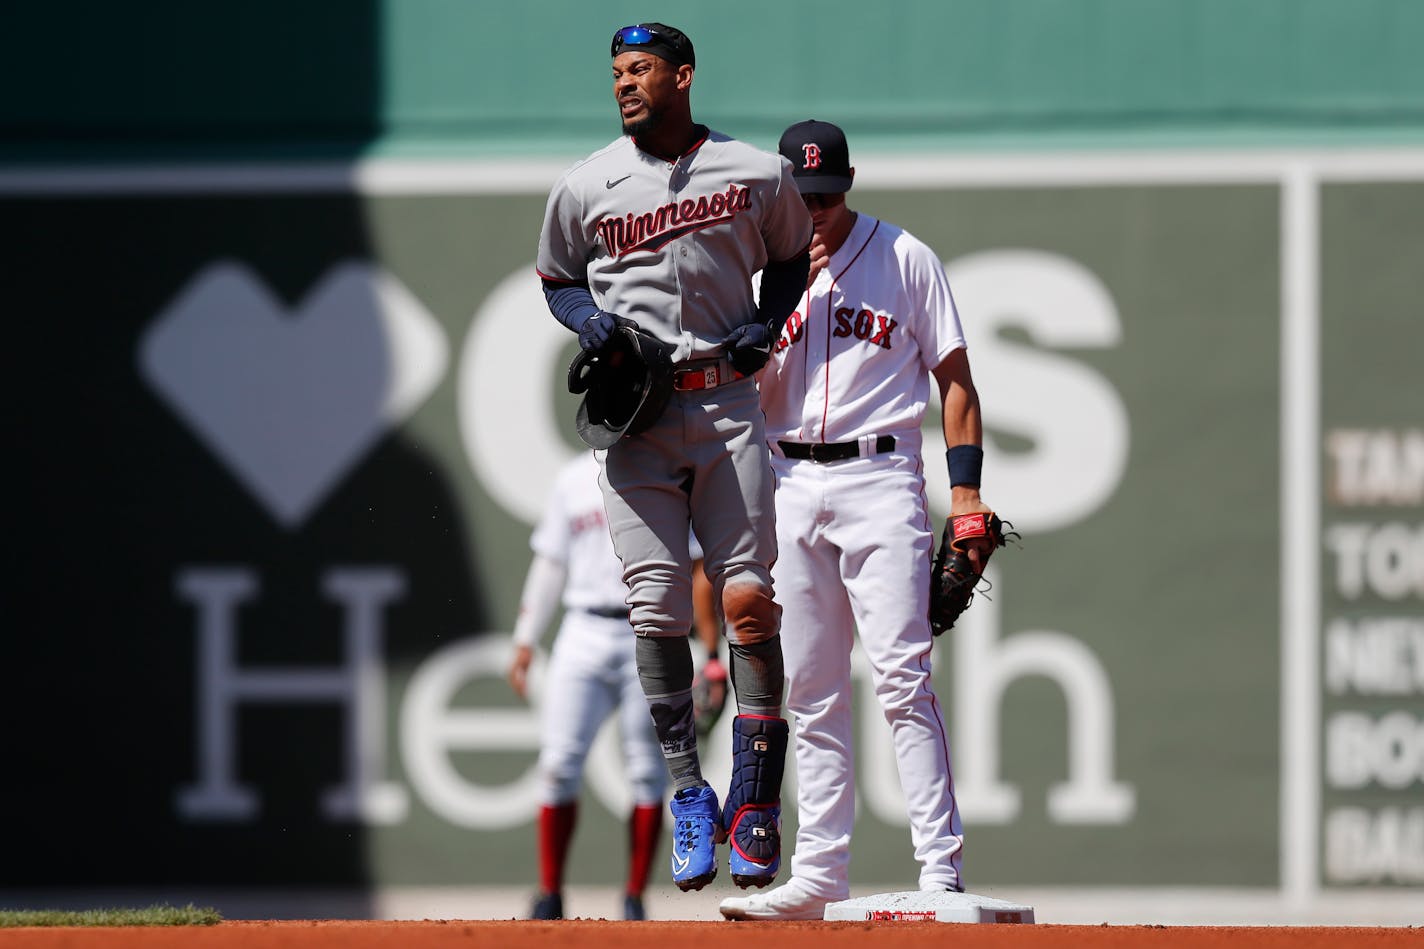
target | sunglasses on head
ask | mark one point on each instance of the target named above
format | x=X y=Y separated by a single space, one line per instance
x=632 y=36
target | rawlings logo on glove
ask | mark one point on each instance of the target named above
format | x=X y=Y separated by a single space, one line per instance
x=964 y=550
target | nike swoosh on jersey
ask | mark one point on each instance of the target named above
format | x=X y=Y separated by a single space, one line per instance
x=613 y=184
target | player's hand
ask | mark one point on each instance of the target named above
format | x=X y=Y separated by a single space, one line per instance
x=820 y=259
x=709 y=695
x=748 y=347
x=597 y=329
x=518 y=674
x=965 y=499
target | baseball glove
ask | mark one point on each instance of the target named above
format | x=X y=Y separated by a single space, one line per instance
x=709 y=695
x=956 y=573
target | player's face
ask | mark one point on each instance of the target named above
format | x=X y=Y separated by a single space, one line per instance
x=643 y=85
x=831 y=221
x=827 y=210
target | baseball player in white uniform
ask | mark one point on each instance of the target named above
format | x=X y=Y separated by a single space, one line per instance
x=845 y=393
x=665 y=228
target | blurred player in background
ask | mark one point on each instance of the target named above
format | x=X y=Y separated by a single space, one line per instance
x=591 y=675
x=845 y=394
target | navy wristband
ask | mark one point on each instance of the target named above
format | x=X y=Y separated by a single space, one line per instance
x=965 y=464
x=571 y=303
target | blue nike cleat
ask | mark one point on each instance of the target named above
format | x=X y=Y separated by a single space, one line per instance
x=695 y=824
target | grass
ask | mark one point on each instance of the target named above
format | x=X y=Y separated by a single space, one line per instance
x=189 y=915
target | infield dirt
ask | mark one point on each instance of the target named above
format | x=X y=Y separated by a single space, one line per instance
x=564 y=934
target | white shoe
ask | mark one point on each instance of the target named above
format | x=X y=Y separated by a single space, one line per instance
x=785 y=902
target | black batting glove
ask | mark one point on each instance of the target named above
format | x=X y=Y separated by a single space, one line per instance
x=597 y=330
x=749 y=347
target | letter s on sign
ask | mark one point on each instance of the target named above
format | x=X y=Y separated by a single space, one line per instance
x=1073 y=416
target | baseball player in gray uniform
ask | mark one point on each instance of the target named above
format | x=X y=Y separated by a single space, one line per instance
x=591 y=676
x=845 y=395
x=664 y=228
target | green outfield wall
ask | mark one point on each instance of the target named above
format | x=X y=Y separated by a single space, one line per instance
x=288 y=402
x=282 y=502
x=443 y=76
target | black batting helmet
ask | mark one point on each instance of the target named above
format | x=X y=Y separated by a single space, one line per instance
x=626 y=386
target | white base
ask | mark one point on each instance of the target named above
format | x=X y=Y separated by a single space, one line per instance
x=929 y=907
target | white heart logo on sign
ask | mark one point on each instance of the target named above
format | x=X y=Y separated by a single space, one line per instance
x=292 y=401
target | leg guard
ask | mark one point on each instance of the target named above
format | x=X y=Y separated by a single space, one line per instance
x=752 y=813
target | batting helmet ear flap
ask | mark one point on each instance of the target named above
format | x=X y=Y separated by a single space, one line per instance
x=581 y=371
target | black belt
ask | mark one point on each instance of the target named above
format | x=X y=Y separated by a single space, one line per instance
x=608 y=612
x=822 y=452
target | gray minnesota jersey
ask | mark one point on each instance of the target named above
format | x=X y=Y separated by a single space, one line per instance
x=673 y=245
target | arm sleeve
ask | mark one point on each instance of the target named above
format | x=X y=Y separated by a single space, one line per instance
x=571 y=303
x=542 y=587
x=782 y=283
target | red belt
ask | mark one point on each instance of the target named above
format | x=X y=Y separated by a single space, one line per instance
x=708 y=374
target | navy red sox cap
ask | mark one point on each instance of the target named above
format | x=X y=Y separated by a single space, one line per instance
x=819 y=156
x=661 y=40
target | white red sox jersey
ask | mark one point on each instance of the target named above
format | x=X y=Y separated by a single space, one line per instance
x=573 y=531
x=854 y=358
x=673 y=245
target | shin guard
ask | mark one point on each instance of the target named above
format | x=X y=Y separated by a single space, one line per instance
x=752 y=810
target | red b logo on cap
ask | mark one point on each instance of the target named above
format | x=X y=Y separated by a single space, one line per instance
x=813 y=155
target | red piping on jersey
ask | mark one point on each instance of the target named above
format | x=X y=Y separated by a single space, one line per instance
x=925 y=667
x=826 y=402
x=563 y=280
x=924 y=501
